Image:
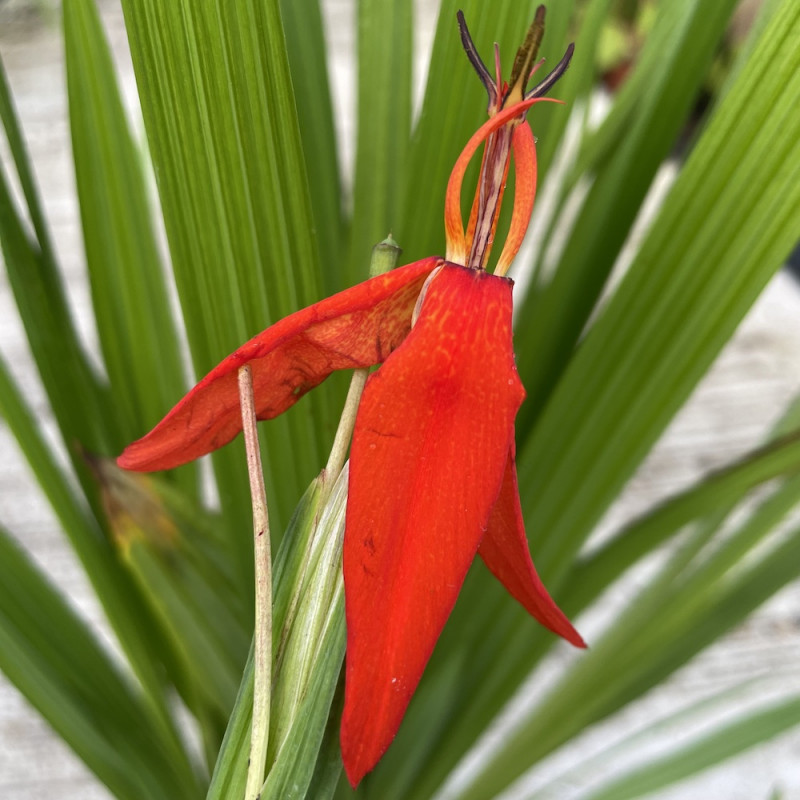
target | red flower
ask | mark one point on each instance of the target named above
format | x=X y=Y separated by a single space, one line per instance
x=432 y=473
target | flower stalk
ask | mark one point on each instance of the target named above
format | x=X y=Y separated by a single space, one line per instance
x=262 y=677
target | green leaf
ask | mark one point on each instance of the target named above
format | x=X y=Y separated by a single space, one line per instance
x=221 y=122
x=49 y=654
x=328 y=770
x=310 y=643
x=79 y=402
x=551 y=321
x=656 y=734
x=721 y=490
x=19 y=155
x=135 y=326
x=305 y=47
x=384 y=125
x=704 y=751
x=308 y=648
x=115 y=591
x=296 y=762
x=230 y=772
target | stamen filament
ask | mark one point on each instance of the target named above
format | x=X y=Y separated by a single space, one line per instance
x=492 y=182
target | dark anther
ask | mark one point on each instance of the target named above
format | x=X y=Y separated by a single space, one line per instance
x=544 y=87
x=523 y=64
x=472 y=54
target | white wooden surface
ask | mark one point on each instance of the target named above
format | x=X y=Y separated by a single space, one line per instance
x=751 y=382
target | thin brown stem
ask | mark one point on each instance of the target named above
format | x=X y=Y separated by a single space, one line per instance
x=262 y=668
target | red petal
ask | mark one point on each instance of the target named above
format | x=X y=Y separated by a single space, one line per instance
x=504 y=550
x=358 y=327
x=429 y=450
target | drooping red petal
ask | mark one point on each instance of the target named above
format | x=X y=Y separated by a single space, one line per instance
x=505 y=552
x=429 y=452
x=358 y=327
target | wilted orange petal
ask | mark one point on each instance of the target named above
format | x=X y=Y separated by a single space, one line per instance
x=429 y=451
x=524 y=148
x=453 y=224
x=504 y=550
x=358 y=327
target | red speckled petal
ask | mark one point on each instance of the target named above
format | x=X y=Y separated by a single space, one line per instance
x=358 y=327
x=429 y=452
x=504 y=550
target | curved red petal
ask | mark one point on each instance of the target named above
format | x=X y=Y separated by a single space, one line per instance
x=358 y=327
x=524 y=148
x=504 y=550
x=429 y=451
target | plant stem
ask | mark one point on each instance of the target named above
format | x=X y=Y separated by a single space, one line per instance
x=347 y=422
x=384 y=258
x=262 y=670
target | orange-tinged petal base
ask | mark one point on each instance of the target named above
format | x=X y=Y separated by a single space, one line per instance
x=430 y=447
x=358 y=327
x=504 y=550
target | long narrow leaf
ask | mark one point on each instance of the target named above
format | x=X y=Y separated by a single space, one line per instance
x=136 y=331
x=115 y=591
x=19 y=154
x=221 y=122
x=722 y=490
x=80 y=405
x=703 y=752
x=384 y=125
x=305 y=46
x=551 y=322
x=52 y=658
